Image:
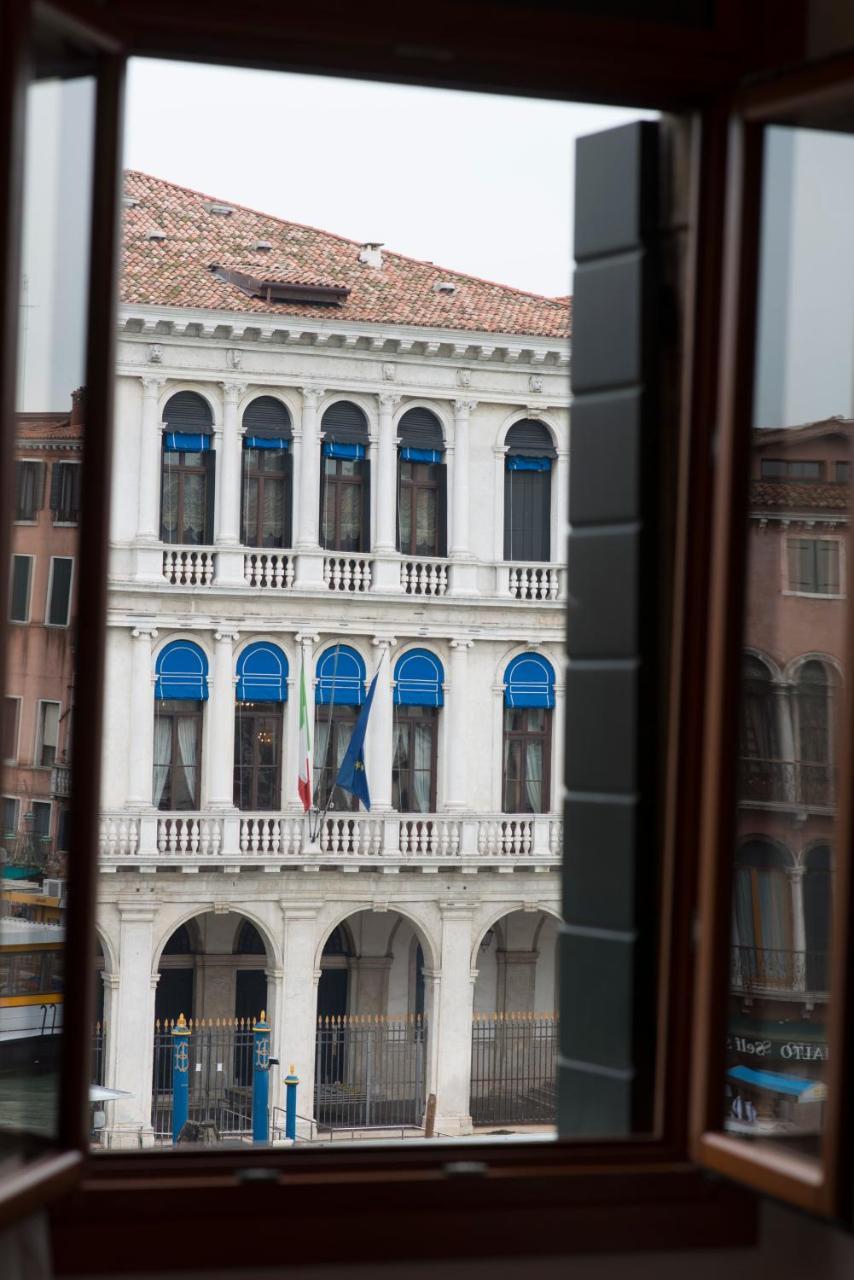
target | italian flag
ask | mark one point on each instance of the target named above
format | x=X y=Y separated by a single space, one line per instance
x=304 y=781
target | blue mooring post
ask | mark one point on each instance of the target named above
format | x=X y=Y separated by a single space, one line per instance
x=291 y=1082
x=261 y=1081
x=180 y=1076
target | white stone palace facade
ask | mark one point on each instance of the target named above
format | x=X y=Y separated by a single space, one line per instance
x=302 y=484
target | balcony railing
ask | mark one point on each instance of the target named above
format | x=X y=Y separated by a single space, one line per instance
x=131 y=841
x=763 y=969
x=424 y=577
x=530 y=581
x=189 y=566
x=347 y=573
x=268 y=569
x=792 y=782
x=60 y=781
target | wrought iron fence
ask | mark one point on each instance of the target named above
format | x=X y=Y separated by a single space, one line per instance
x=764 y=968
x=99 y=1036
x=787 y=781
x=369 y=1071
x=514 y=1068
x=221 y=1056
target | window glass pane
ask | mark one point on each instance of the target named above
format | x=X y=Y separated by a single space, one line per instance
x=795 y=646
x=11 y=712
x=193 y=515
x=350 y=517
x=20 y=601
x=250 y=511
x=60 y=592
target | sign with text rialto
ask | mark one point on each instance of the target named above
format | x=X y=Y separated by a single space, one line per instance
x=788 y=1050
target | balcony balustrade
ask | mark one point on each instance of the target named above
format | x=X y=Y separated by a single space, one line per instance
x=189 y=566
x=786 y=782
x=347 y=573
x=424 y=577
x=196 y=841
x=268 y=569
x=60 y=781
x=529 y=581
x=772 y=970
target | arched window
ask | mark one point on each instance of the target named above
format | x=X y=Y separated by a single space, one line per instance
x=763 y=915
x=266 y=491
x=422 y=490
x=529 y=698
x=339 y=692
x=187 y=471
x=345 y=487
x=818 y=897
x=249 y=941
x=418 y=695
x=762 y=771
x=180 y=691
x=814 y=704
x=262 y=690
x=527 y=491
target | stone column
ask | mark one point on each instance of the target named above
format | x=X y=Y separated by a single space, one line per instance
x=230 y=468
x=111 y=987
x=308 y=480
x=131 y=1036
x=560 y=505
x=219 y=770
x=299 y=1001
x=558 y=730
x=386 y=474
x=141 y=709
x=463 y=577
x=453 y=1022
x=799 y=929
x=455 y=735
x=380 y=735
x=150 y=444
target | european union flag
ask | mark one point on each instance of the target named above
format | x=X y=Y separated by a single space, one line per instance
x=351 y=775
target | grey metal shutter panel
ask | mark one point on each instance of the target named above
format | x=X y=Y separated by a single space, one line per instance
x=210 y=488
x=55 y=485
x=287 y=525
x=442 y=509
x=190 y=412
x=345 y=423
x=527 y=515
x=420 y=429
x=268 y=418
x=608 y=940
x=530 y=439
x=365 y=539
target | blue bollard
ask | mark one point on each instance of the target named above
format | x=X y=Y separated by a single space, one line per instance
x=261 y=1081
x=180 y=1076
x=291 y=1082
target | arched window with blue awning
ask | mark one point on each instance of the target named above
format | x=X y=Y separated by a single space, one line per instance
x=188 y=423
x=266 y=424
x=422 y=485
x=419 y=676
x=340 y=675
x=529 y=681
x=527 y=491
x=262 y=673
x=181 y=672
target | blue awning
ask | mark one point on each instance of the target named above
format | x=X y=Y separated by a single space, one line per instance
x=776 y=1082
x=515 y=462
x=340 y=677
x=262 y=674
x=421 y=455
x=183 y=442
x=265 y=442
x=419 y=677
x=529 y=681
x=182 y=672
x=352 y=452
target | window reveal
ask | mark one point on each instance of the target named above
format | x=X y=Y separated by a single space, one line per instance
x=344 y=500
x=11 y=716
x=266 y=498
x=177 y=754
x=420 y=514
x=258 y=755
x=186 y=512
x=527 y=750
x=413 y=779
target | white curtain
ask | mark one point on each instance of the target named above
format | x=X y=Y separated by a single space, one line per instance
x=188 y=749
x=534 y=776
x=321 y=746
x=162 y=755
x=422 y=767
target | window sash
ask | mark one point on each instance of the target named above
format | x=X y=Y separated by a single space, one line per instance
x=527 y=760
x=814 y=565
x=11 y=724
x=413 y=775
x=59 y=591
x=177 y=756
x=341 y=517
x=19 y=604
x=257 y=763
x=184 y=498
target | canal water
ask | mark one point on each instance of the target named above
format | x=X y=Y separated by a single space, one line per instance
x=29 y=1101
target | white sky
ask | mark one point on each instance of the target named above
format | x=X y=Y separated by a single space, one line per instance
x=476 y=182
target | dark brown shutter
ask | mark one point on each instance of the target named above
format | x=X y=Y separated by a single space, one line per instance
x=420 y=429
x=365 y=539
x=288 y=502
x=188 y=412
x=322 y=499
x=442 y=509
x=76 y=477
x=38 y=485
x=267 y=418
x=345 y=423
x=210 y=490
x=56 y=486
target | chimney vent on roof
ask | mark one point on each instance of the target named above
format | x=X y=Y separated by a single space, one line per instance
x=224 y=210
x=156 y=233
x=130 y=202
x=444 y=286
x=371 y=253
x=263 y=246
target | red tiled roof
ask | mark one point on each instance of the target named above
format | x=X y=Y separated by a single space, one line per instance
x=176 y=271
x=796 y=495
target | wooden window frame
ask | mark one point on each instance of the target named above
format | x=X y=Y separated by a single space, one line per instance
x=527 y=735
x=182 y=470
x=533 y=1198
x=413 y=487
x=166 y=707
x=41 y=703
x=49 y=595
x=270 y=710
x=331 y=489
x=339 y=714
x=255 y=538
x=404 y=712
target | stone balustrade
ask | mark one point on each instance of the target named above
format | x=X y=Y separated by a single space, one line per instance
x=269 y=569
x=424 y=577
x=189 y=566
x=347 y=573
x=393 y=842
x=530 y=581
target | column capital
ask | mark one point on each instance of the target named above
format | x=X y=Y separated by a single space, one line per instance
x=456 y=910
x=312 y=396
x=143 y=632
x=500 y=450
x=307 y=637
x=136 y=912
x=152 y=385
x=795 y=873
x=227 y=634
x=461 y=643
x=462 y=408
x=111 y=981
x=233 y=391
x=384 y=641
x=534 y=410
x=388 y=400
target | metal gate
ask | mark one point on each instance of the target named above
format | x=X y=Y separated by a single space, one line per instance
x=514 y=1068
x=98 y=1038
x=369 y=1071
x=221 y=1054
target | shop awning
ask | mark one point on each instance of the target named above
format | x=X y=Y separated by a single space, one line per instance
x=776 y=1082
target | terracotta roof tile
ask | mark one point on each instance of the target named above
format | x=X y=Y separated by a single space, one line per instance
x=177 y=272
x=796 y=495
